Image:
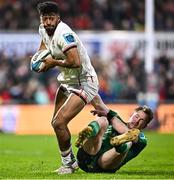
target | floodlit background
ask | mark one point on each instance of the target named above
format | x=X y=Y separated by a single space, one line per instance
x=131 y=45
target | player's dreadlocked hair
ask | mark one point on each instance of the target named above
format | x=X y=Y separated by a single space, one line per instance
x=147 y=110
x=47 y=7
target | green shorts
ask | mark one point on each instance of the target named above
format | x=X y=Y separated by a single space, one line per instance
x=89 y=163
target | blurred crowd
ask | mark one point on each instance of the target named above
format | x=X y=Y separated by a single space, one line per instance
x=89 y=14
x=125 y=80
x=19 y=86
x=121 y=80
x=164 y=13
x=79 y=14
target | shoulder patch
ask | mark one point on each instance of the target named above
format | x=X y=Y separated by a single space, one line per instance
x=69 y=38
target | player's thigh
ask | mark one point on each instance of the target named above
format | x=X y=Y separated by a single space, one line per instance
x=111 y=159
x=93 y=145
x=71 y=107
x=60 y=99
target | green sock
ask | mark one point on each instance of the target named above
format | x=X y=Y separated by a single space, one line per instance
x=95 y=127
x=122 y=148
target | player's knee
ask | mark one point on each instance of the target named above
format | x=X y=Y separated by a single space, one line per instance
x=103 y=123
x=56 y=124
x=58 y=121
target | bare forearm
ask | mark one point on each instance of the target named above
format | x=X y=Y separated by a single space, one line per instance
x=119 y=126
x=117 y=122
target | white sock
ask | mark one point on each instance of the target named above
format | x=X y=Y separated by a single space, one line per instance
x=66 y=159
x=66 y=156
x=65 y=153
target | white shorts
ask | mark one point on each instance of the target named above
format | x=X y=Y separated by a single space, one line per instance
x=86 y=90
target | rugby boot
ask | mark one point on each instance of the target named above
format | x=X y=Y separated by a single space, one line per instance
x=67 y=169
x=83 y=136
x=130 y=135
x=69 y=165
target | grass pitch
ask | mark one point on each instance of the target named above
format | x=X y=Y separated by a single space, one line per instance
x=35 y=157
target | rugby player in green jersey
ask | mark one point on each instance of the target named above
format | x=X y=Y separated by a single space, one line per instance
x=108 y=143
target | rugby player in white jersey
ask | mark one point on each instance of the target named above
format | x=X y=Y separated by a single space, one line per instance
x=77 y=78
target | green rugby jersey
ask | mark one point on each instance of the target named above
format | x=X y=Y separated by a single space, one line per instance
x=135 y=149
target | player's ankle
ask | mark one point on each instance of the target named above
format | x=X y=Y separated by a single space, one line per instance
x=66 y=152
x=68 y=160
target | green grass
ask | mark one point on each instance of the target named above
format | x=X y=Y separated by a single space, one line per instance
x=34 y=157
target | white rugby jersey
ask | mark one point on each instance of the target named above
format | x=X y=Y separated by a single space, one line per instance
x=63 y=39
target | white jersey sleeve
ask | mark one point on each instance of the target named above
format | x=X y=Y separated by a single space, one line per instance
x=63 y=39
x=67 y=41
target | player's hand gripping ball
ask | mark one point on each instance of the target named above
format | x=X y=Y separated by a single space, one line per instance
x=37 y=60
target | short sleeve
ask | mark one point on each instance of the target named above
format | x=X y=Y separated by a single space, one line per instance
x=67 y=41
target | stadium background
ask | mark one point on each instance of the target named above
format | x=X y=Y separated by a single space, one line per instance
x=131 y=45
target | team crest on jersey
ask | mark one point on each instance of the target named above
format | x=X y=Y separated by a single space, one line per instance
x=69 y=38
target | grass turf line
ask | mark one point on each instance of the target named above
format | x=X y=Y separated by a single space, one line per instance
x=35 y=157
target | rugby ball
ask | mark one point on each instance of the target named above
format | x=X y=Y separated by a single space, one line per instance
x=37 y=60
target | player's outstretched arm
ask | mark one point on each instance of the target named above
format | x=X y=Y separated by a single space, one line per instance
x=99 y=112
x=113 y=119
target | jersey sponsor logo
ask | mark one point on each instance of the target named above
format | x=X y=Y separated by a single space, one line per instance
x=69 y=38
